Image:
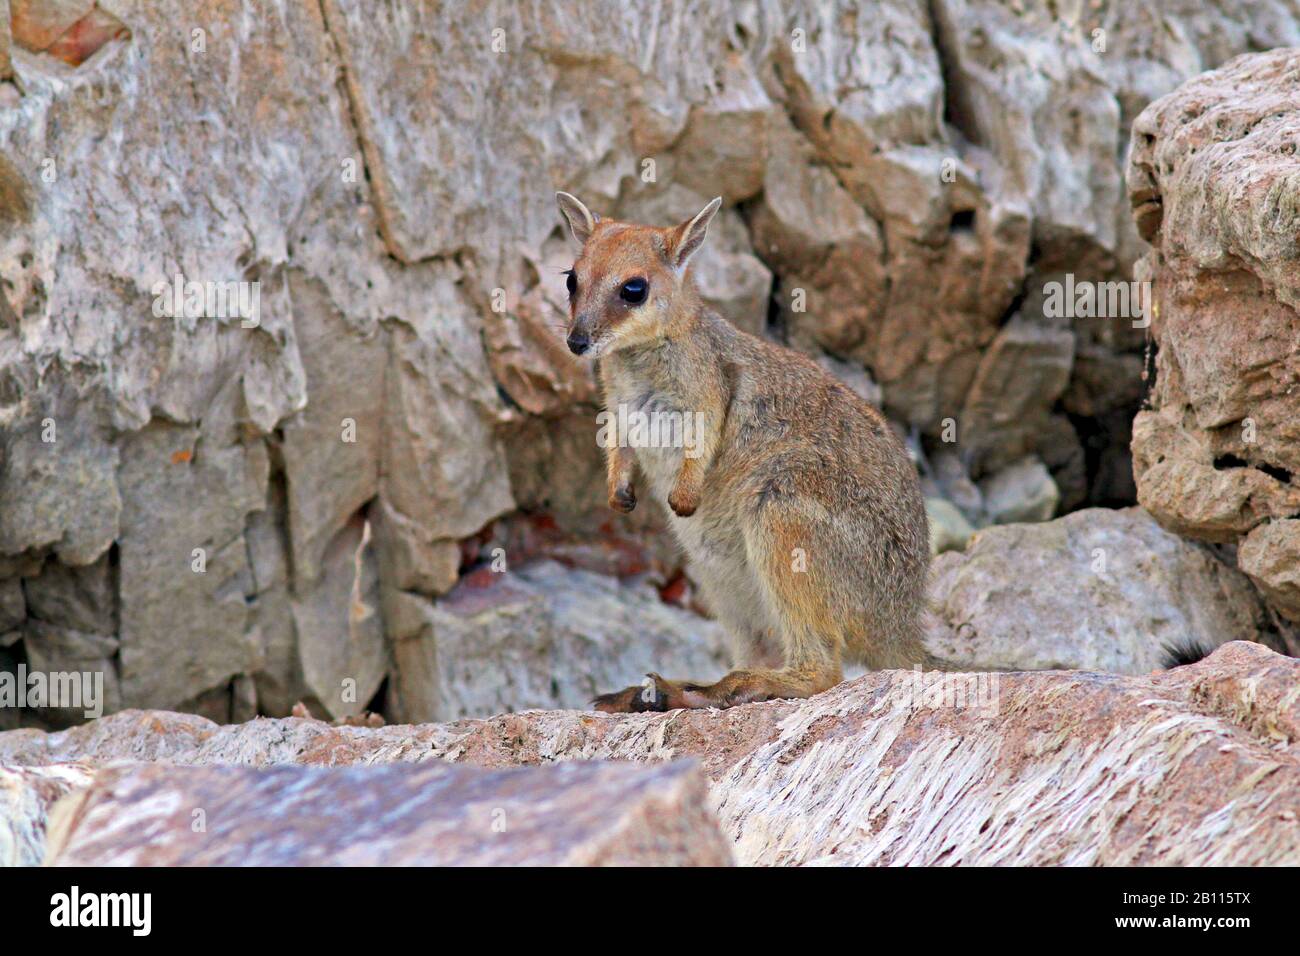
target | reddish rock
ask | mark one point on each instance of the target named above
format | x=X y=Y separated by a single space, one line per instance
x=574 y=814
x=1214 y=181
x=1199 y=765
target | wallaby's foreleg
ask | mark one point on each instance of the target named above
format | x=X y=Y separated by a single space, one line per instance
x=700 y=444
x=620 y=460
x=619 y=463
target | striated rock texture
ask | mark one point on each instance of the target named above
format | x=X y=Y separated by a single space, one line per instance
x=1096 y=590
x=254 y=490
x=26 y=797
x=1214 y=180
x=575 y=814
x=1195 y=766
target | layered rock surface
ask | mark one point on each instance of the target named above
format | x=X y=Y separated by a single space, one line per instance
x=1214 y=181
x=1194 y=766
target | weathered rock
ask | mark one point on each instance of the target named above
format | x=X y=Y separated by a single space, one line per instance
x=1270 y=554
x=949 y=529
x=77 y=597
x=1022 y=491
x=184 y=572
x=1214 y=182
x=1097 y=590
x=340 y=631
x=573 y=814
x=1193 y=766
x=6 y=67
x=13 y=607
x=1024 y=371
x=543 y=637
x=47 y=472
x=26 y=796
x=331 y=448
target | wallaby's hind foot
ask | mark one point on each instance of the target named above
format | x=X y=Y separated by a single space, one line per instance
x=655 y=694
x=738 y=687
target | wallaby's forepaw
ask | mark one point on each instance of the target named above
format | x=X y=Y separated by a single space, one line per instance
x=623 y=498
x=683 y=502
x=655 y=694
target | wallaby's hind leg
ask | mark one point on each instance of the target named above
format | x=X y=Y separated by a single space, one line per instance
x=738 y=687
x=798 y=602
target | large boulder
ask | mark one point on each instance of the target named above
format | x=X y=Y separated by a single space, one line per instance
x=1214 y=181
x=1199 y=765
x=574 y=814
x=1100 y=589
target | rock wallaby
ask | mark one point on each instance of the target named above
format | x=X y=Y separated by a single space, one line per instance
x=797 y=506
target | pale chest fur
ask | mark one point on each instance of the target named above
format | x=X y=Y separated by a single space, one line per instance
x=655 y=421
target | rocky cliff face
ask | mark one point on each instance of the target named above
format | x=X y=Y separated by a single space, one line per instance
x=231 y=500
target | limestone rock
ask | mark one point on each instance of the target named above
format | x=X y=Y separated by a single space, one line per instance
x=6 y=67
x=1215 y=186
x=1098 y=590
x=542 y=637
x=339 y=627
x=949 y=529
x=1022 y=491
x=13 y=607
x=1026 y=368
x=184 y=571
x=1270 y=554
x=573 y=814
x=46 y=473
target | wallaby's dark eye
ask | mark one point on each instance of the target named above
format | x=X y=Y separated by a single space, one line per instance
x=571 y=282
x=633 y=291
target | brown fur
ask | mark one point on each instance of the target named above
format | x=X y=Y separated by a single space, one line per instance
x=801 y=516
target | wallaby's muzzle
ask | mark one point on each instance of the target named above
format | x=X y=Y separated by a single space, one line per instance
x=579 y=337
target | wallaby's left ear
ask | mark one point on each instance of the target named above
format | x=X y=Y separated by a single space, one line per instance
x=689 y=236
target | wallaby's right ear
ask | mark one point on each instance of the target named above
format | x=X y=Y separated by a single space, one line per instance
x=689 y=236
x=581 y=219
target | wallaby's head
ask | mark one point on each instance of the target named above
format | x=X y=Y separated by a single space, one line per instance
x=628 y=278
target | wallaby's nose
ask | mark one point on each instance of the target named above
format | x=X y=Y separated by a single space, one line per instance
x=579 y=342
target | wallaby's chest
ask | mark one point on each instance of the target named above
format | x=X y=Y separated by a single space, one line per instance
x=656 y=422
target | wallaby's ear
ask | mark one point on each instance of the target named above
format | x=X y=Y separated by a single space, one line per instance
x=689 y=236
x=581 y=219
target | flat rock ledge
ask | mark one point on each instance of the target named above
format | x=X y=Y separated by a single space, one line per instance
x=1199 y=765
